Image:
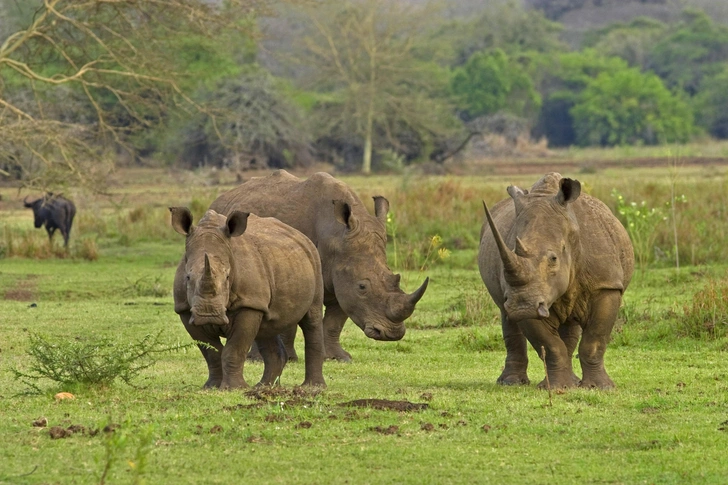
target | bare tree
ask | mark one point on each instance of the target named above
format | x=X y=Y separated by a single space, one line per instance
x=364 y=55
x=84 y=75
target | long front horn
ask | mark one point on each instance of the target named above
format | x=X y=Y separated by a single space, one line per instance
x=401 y=305
x=417 y=295
x=511 y=264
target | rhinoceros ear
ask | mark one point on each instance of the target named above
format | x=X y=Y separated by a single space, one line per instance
x=236 y=224
x=381 y=208
x=342 y=213
x=569 y=191
x=181 y=220
x=516 y=193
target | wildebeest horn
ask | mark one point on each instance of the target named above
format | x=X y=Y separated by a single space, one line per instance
x=25 y=201
x=511 y=263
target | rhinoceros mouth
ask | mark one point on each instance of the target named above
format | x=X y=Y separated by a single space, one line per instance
x=378 y=333
x=208 y=319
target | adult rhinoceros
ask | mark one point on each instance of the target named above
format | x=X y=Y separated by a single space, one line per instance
x=247 y=278
x=352 y=244
x=556 y=264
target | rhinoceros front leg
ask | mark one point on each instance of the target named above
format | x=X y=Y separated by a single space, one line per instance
x=515 y=370
x=274 y=357
x=544 y=333
x=603 y=314
x=333 y=324
x=313 y=336
x=212 y=355
x=243 y=330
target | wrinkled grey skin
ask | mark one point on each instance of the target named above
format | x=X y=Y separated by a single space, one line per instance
x=358 y=284
x=556 y=263
x=247 y=278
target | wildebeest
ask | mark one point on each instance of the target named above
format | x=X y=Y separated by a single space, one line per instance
x=556 y=263
x=55 y=211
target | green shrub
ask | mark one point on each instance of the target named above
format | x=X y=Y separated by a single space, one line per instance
x=98 y=362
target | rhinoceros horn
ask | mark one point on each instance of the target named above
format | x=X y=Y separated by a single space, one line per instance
x=511 y=261
x=207 y=283
x=402 y=306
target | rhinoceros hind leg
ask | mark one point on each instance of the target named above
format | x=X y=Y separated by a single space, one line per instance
x=334 y=320
x=274 y=358
x=312 y=326
x=604 y=309
x=254 y=354
x=289 y=337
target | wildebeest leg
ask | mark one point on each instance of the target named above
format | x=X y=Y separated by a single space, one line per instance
x=334 y=320
x=212 y=355
x=243 y=329
x=543 y=333
x=289 y=337
x=570 y=332
x=274 y=357
x=604 y=309
x=515 y=370
x=50 y=230
x=313 y=336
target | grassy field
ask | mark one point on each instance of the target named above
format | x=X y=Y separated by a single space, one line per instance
x=666 y=422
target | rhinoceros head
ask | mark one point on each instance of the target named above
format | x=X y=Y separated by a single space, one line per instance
x=208 y=261
x=538 y=271
x=365 y=287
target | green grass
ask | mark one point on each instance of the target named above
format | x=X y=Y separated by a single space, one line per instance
x=666 y=422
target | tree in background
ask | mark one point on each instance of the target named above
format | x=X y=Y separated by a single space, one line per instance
x=81 y=77
x=564 y=78
x=491 y=82
x=711 y=104
x=633 y=41
x=629 y=107
x=361 y=59
x=249 y=122
x=695 y=48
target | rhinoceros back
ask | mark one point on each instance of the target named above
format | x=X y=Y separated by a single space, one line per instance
x=303 y=204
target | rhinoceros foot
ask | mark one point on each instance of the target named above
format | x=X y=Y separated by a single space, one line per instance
x=212 y=383
x=561 y=380
x=597 y=382
x=337 y=353
x=233 y=383
x=513 y=379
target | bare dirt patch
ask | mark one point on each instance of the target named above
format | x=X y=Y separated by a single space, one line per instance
x=24 y=290
x=386 y=405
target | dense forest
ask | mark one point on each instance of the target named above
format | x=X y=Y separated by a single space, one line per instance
x=362 y=84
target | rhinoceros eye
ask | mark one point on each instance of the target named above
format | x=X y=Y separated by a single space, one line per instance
x=553 y=259
x=363 y=286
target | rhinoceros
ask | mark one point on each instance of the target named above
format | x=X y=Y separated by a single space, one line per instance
x=358 y=284
x=248 y=278
x=556 y=263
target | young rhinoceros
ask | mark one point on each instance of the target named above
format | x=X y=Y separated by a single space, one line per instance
x=248 y=278
x=556 y=264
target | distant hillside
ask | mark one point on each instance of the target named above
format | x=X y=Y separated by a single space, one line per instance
x=579 y=16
